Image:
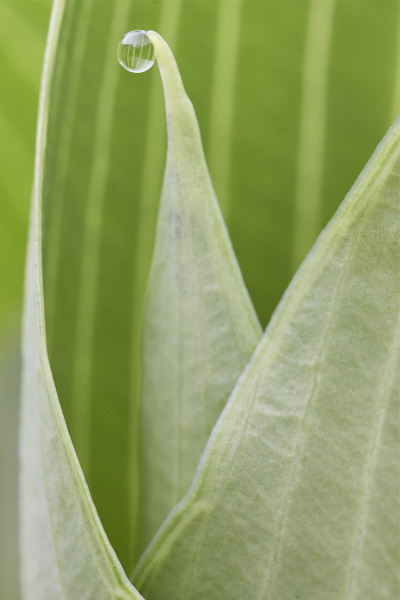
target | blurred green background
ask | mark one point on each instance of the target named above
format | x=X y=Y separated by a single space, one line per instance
x=292 y=97
x=23 y=31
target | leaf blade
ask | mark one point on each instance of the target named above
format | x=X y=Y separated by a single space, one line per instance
x=200 y=328
x=265 y=129
x=274 y=510
x=64 y=550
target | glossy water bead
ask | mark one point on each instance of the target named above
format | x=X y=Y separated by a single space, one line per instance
x=136 y=52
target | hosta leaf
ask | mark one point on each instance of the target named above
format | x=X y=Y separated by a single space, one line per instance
x=200 y=328
x=64 y=550
x=251 y=87
x=297 y=492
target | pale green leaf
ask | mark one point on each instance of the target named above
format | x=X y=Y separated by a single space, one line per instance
x=64 y=550
x=246 y=69
x=200 y=328
x=297 y=492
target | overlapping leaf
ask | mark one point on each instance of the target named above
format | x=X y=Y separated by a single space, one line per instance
x=104 y=163
x=100 y=194
x=297 y=493
x=64 y=550
x=200 y=328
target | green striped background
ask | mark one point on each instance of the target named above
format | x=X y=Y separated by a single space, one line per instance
x=292 y=97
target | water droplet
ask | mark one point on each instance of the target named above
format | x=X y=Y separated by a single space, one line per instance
x=136 y=52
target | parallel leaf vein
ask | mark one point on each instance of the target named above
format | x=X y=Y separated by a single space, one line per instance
x=385 y=388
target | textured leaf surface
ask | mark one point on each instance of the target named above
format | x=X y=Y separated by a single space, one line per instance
x=297 y=493
x=64 y=550
x=200 y=328
x=251 y=86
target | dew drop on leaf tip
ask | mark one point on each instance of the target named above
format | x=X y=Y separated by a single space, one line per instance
x=136 y=52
